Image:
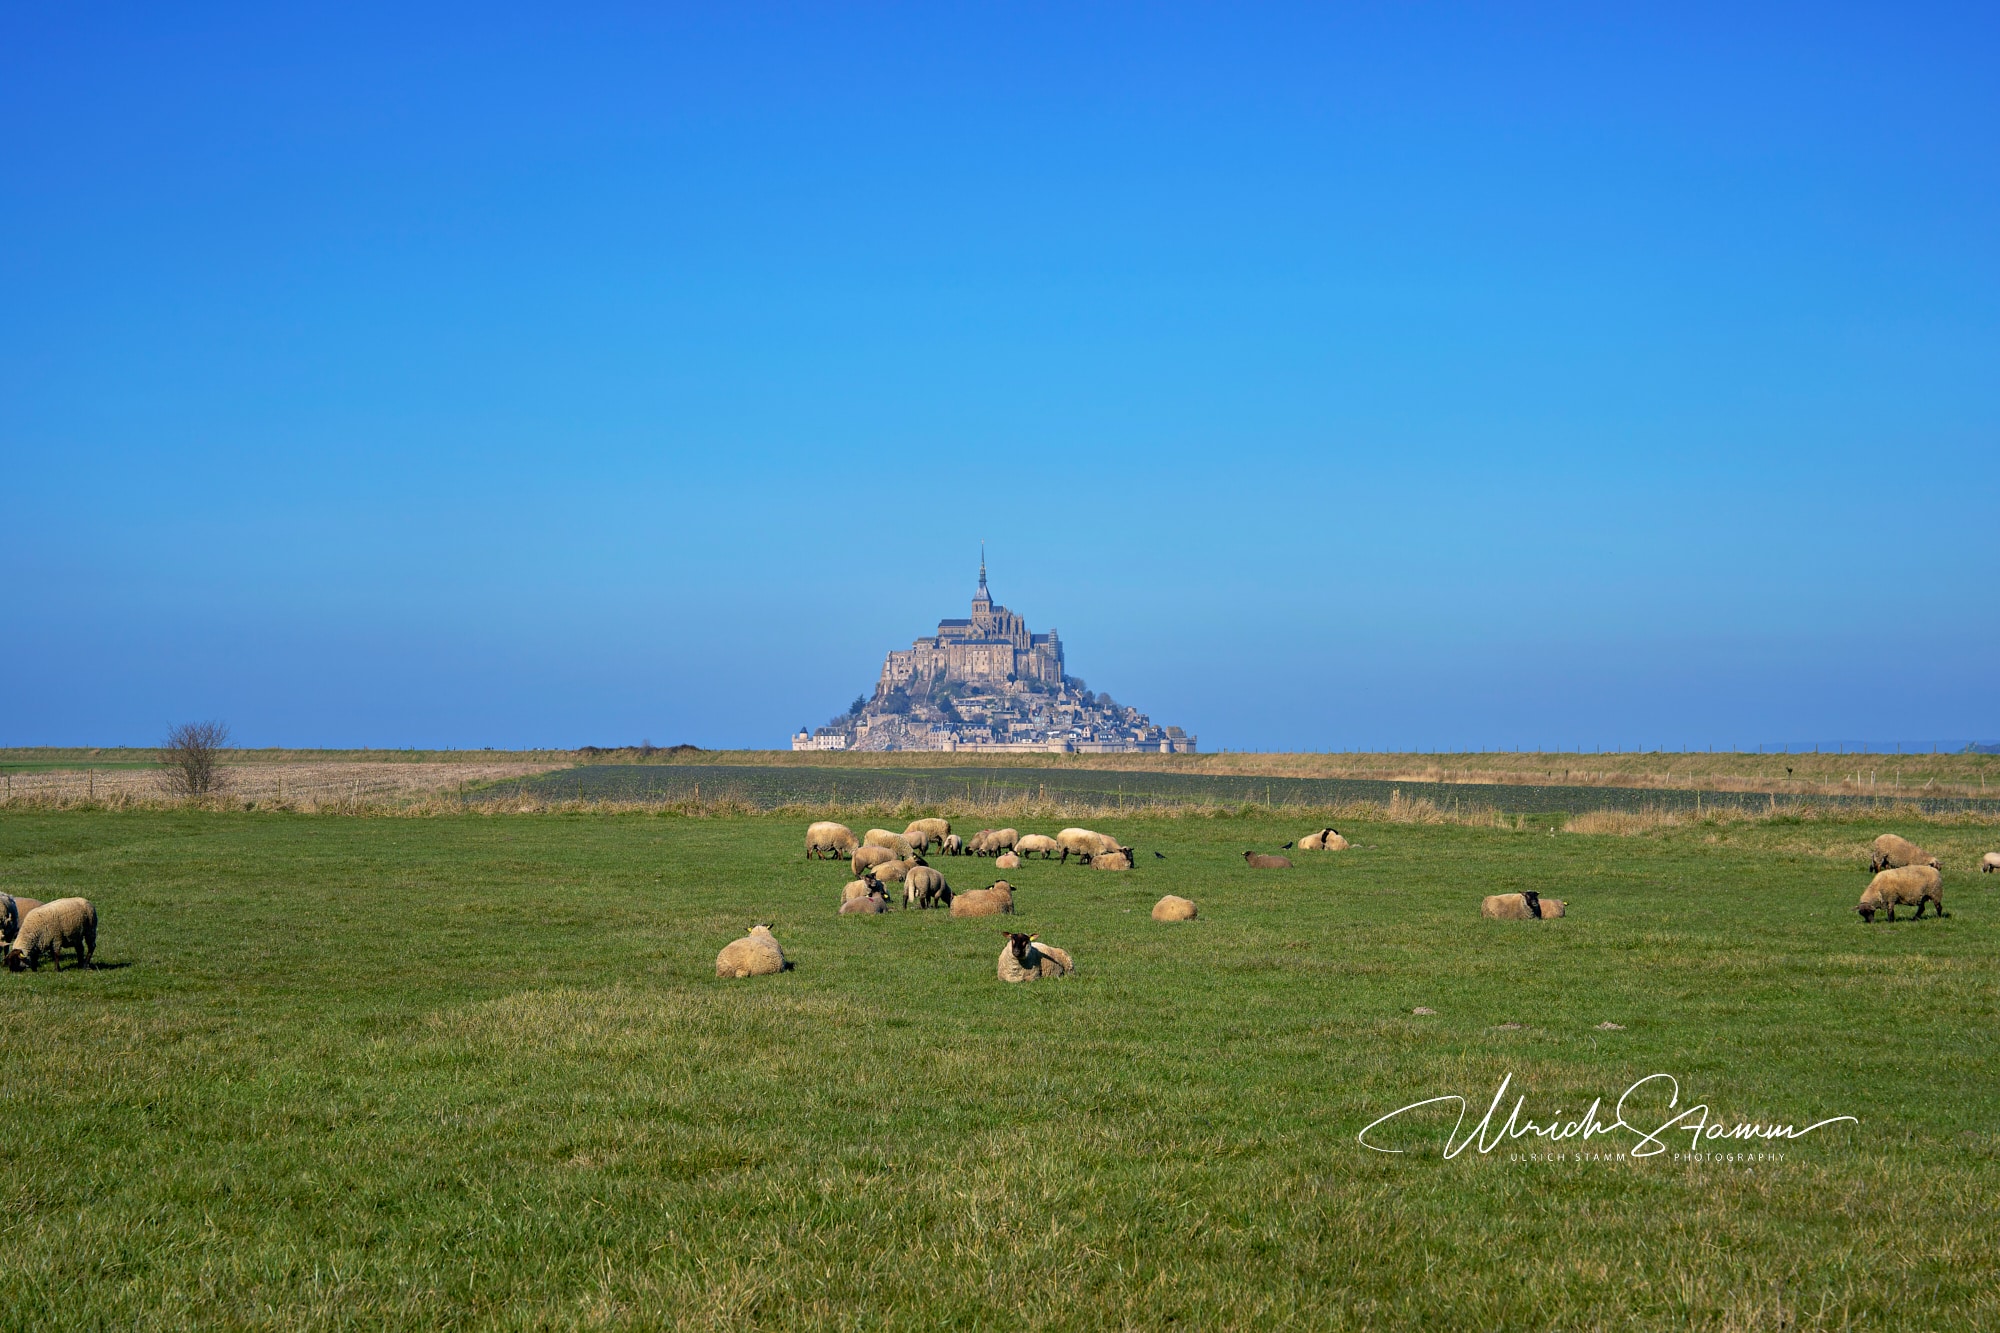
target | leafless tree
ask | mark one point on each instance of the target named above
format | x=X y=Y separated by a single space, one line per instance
x=192 y=758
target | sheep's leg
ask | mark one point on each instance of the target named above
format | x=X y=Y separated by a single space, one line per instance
x=1920 y=910
x=1892 y=913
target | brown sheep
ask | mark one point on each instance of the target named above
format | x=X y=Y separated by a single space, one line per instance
x=12 y=910
x=1891 y=852
x=871 y=905
x=1902 y=886
x=994 y=901
x=66 y=923
x=1258 y=861
x=1118 y=860
x=1171 y=908
x=1026 y=958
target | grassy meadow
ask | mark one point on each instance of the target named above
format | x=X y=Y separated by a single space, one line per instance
x=476 y=1071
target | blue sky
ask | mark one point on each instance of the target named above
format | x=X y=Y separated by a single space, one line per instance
x=1331 y=376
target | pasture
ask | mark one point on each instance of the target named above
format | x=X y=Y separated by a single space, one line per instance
x=476 y=1071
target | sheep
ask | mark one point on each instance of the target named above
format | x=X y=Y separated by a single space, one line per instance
x=868 y=905
x=985 y=902
x=66 y=923
x=993 y=841
x=895 y=842
x=896 y=871
x=1989 y=863
x=1026 y=958
x=924 y=887
x=865 y=857
x=1901 y=885
x=755 y=955
x=1892 y=852
x=1037 y=844
x=827 y=839
x=1528 y=906
x=1118 y=860
x=1326 y=840
x=953 y=845
x=12 y=910
x=1171 y=908
x=861 y=888
x=1007 y=861
x=932 y=830
x=1084 y=844
x=1259 y=861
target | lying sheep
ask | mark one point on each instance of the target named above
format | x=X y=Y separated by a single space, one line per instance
x=12 y=909
x=755 y=955
x=1892 y=852
x=1084 y=844
x=1989 y=863
x=953 y=845
x=1326 y=840
x=1259 y=861
x=993 y=841
x=861 y=888
x=1036 y=844
x=1026 y=958
x=869 y=905
x=865 y=857
x=1529 y=906
x=931 y=830
x=1902 y=886
x=1171 y=908
x=828 y=840
x=895 y=842
x=924 y=887
x=992 y=901
x=1118 y=860
x=1006 y=861
x=66 y=923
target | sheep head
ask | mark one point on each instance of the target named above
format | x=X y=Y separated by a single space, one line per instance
x=1023 y=945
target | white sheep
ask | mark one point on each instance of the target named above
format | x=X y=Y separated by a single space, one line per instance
x=1118 y=860
x=924 y=887
x=1036 y=844
x=895 y=842
x=995 y=901
x=993 y=841
x=1006 y=861
x=930 y=830
x=827 y=839
x=866 y=857
x=953 y=845
x=1902 y=886
x=1172 y=908
x=1989 y=863
x=1529 y=906
x=1084 y=844
x=1026 y=958
x=1890 y=852
x=1326 y=840
x=66 y=923
x=755 y=955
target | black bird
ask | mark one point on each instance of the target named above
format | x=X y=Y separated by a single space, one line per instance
x=1287 y=847
x=1161 y=855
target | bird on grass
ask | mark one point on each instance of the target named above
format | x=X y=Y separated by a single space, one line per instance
x=1286 y=848
x=1161 y=855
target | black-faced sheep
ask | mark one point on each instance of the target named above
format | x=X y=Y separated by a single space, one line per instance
x=875 y=901
x=1026 y=958
x=1036 y=844
x=995 y=901
x=1326 y=840
x=1891 y=852
x=1171 y=908
x=1902 y=886
x=66 y=923
x=827 y=840
x=953 y=845
x=1120 y=859
x=1084 y=844
x=755 y=955
x=1260 y=861
x=1529 y=906
x=1989 y=863
x=924 y=887
x=861 y=888
x=12 y=909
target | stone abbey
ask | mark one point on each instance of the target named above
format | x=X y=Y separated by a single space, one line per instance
x=988 y=682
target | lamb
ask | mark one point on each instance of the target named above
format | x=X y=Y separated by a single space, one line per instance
x=895 y=842
x=931 y=830
x=953 y=845
x=1901 y=886
x=1084 y=844
x=755 y=955
x=924 y=887
x=12 y=910
x=1528 y=906
x=1892 y=852
x=992 y=841
x=1171 y=908
x=827 y=839
x=1037 y=844
x=1259 y=861
x=1026 y=958
x=66 y=923
x=1989 y=863
x=985 y=902
x=869 y=904
x=1326 y=840
x=861 y=888
x=1007 y=861
x=1118 y=860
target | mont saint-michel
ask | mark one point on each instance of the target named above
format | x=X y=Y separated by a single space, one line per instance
x=988 y=682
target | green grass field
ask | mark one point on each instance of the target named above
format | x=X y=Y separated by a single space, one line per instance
x=477 y=1071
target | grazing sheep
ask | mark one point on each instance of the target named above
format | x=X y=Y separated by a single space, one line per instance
x=985 y=902
x=828 y=840
x=1892 y=852
x=870 y=905
x=1118 y=860
x=12 y=909
x=1989 y=863
x=953 y=845
x=755 y=955
x=993 y=841
x=1899 y=886
x=1006 y=861
x=1171 y=908
x=1259 y=861
x=1084 y=844
x=66 y=923
x=932 y=830
x=895 y=842
x=865 y=857
x=861 y=888
x=897 y=871
x=924 y=887
x=1529 y=906
x=1326 y=840
x=1037 y=844
x=1026 y=958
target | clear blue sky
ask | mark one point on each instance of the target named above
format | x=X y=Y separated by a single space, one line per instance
x=1335 y=375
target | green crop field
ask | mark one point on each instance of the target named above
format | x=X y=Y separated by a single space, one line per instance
x=476 y=1071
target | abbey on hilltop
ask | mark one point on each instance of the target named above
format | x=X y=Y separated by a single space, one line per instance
x=989 y=683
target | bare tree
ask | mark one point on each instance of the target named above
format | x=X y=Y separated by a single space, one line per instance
x=192 y=758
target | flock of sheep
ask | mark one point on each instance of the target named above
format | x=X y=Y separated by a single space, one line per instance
x=32 y=931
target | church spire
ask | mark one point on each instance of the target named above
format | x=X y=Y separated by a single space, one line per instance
x=982 y=566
